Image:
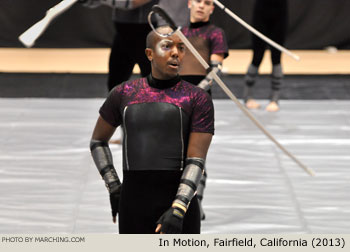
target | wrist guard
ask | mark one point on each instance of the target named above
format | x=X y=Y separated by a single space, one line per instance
x=118 y=4
x=201 y=185
x=207 y=82
x=189 y=182
x=104 y=162
x=90 y=3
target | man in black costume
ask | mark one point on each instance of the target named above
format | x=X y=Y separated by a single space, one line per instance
x=168 y=125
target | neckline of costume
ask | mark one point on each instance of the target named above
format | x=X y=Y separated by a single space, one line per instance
x=199 y=24
x=162 y=84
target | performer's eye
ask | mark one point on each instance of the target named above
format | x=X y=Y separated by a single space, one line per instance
x=166 y=46
x=182 y=48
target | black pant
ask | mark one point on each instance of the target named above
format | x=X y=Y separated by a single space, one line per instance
x=127 y=50
x=270 y=18
x=146 y=195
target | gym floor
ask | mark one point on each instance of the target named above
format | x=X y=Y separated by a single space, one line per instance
x=49 y=183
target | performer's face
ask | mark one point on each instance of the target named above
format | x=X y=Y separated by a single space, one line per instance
x=166 y=57
x=200 y=10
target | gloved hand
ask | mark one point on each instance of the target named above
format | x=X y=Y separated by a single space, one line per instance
x=90 y=3
x=171 y=221
x=114 y=197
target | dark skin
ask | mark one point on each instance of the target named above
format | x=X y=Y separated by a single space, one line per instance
x=165 y=55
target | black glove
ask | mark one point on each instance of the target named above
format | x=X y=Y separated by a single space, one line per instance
x=172 y=221
x=114 y=200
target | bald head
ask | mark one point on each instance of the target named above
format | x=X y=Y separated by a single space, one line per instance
x=164 y=53
x=153 y=38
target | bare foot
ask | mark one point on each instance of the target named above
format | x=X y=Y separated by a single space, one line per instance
x=252 y=104
x=272 y=107
x=117 y=141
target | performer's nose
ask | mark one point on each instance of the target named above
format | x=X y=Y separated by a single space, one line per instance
x=175 y=52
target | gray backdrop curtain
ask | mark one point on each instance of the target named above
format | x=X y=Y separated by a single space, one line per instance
x=313 y=24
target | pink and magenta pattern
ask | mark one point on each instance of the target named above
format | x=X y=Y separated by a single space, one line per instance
x=195 y=102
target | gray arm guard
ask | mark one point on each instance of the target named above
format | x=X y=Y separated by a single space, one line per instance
x=207 y=82
x=189 y=182
x=119 y=4
x=90 y=3
x=104 y=162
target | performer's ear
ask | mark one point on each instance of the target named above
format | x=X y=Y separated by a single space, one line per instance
x=189 y=4
x=212 y=10
x=149 y=53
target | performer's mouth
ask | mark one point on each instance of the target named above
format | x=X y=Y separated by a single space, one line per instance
x=174 y=64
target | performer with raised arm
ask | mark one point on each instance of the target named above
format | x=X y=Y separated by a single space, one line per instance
x=168 y=126
x=208 y=39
